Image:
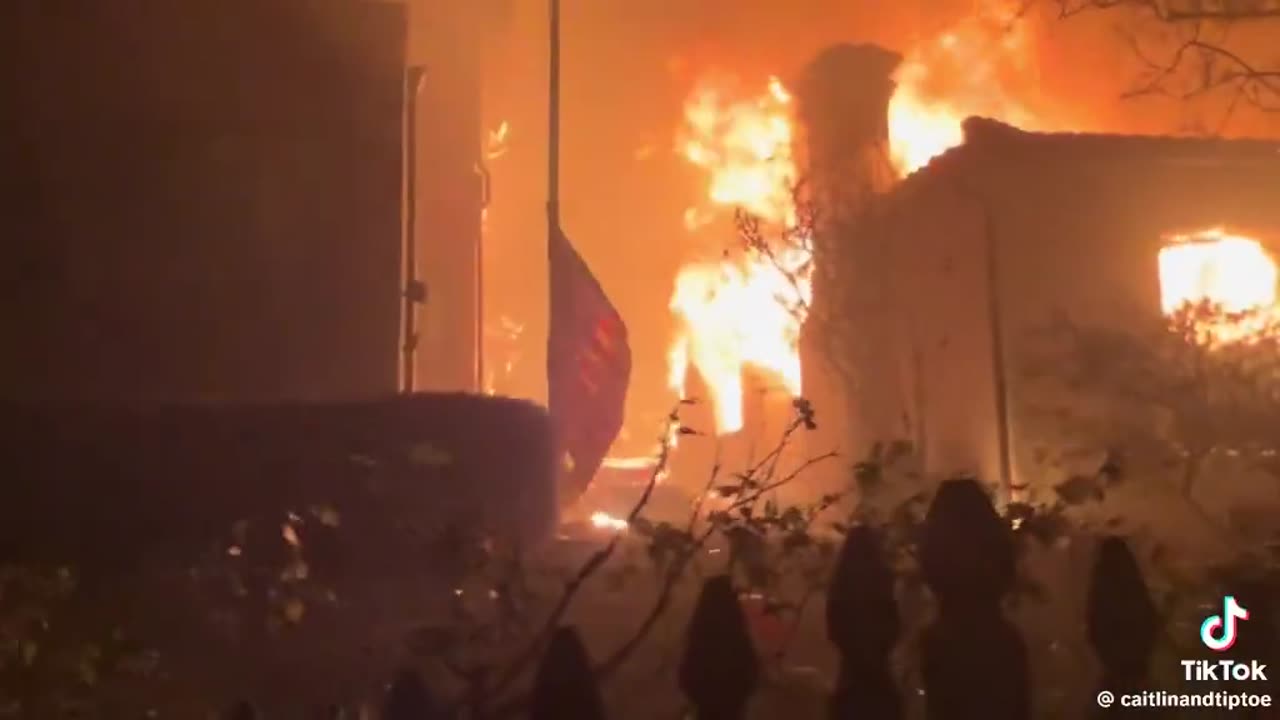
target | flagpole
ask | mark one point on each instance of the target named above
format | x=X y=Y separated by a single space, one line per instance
x=414 y=291
x=553 y=126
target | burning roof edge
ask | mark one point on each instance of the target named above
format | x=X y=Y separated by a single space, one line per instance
x=983 y=136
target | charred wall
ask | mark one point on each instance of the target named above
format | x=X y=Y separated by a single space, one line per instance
x=1052 y=227
x=1078 y=229
x=206 y=199
x=934 y=345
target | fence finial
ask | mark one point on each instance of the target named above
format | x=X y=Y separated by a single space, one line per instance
x=863 y=624
x=719 y=669
x=566 y=686
x=974 y=661
x=1121 y=618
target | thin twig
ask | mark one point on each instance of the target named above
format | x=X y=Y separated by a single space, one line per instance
x=516 y=668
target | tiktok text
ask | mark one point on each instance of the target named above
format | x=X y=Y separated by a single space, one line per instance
x=1220 y=670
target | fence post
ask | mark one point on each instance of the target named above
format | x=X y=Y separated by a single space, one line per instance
x=566 y=685
x=719 y=669
x=1121 y=621
x=863 y=624
x=409 y=699
x=974 y=662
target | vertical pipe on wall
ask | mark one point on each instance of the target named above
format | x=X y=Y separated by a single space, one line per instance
x=997 y=357
x=1004 y=441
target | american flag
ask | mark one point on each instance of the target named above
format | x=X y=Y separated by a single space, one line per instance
x=588 y=366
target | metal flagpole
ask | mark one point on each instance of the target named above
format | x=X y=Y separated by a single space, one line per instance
x=563 y=459
x=485 y=190
x=553 y=126
x=414 y=291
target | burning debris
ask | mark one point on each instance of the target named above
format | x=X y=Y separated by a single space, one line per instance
x=503 y=342
x=605 y=521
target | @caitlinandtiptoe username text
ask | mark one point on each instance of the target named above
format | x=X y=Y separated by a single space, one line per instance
x=1159 y=699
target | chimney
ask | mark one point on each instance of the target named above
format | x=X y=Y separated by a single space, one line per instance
x=843 y=105
x=850 y=377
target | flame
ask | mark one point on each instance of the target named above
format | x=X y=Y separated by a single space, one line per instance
x=1230 y=272
x=746 y=309
x=502 y=342
x=496 y=143
x=964 y=72
x=495 y=146
x=605 y=521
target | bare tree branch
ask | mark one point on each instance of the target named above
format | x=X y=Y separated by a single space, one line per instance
x=1188 y=11
x=516 y=668
x=757 y=481
x=1203 y=58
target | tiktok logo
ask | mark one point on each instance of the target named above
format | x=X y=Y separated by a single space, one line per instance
x=1218 y=632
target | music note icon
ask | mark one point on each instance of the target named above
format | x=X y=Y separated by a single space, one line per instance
x=1218 y=632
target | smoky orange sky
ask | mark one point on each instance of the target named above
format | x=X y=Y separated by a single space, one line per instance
x=627 y=66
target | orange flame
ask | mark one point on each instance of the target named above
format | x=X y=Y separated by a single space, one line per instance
x=604 y=521
x=744 y=310
x=495 y=146
x=963 y=73
x=747 y=310
x=496 y=142
x=1231 y=272
x=502 y=341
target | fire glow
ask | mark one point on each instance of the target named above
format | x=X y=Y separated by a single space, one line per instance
x=1231 y=272
x=965 y=72
x=745 y=309
x=604 y=521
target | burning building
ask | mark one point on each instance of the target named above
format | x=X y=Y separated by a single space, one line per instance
x=753 y=321
x=926 y=252
x=997 y=238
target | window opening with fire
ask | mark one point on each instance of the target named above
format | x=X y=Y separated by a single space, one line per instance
x=1227 y=280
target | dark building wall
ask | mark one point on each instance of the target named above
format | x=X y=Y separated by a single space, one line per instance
x=932 y=379
x=948 y=354
x=208 y=199
x=1079 y=233
x=1077 y=224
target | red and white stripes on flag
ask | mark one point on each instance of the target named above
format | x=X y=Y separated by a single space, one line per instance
x=588 y=366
